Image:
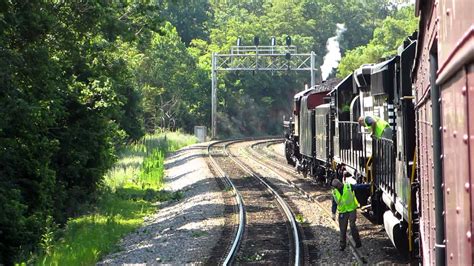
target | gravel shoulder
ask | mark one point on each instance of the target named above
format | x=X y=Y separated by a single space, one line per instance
x=181 y=232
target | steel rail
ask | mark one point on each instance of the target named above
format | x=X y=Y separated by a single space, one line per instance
x=238 y=236
x=290 y=170
x=274 y=142
x=270 y=142
x=289 y=214
x=354 y=250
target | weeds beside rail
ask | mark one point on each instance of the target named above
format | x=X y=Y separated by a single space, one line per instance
x=130 y=188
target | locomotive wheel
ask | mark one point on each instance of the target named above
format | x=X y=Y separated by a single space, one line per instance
x=289 y=153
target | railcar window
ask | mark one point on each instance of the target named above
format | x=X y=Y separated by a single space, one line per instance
x=343 y=104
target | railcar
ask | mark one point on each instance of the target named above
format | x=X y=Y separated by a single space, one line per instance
x=383 y=90
x=444 y=83
x=292 y=129
x=331 y=138
x=421 y=177
x=300 y=129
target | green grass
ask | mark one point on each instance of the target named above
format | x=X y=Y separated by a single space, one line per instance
x=130 y=189
x=144 y=156
x=196 y=234
x=301 y=219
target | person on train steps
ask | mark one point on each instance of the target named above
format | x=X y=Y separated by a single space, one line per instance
x=378 y=127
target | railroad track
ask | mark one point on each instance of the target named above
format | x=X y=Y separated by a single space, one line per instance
x=271 y=152
x=264 y=162
x=282 y=166
x=387 y=254
x=267 y=231
x=240 y=206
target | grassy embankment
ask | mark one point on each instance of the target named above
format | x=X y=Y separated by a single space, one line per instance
x=130 y=189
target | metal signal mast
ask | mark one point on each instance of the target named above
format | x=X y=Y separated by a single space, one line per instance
x=259 y=58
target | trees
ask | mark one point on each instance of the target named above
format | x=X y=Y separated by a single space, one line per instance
x=191 y=20
x=68 y=100
x=80 y=78
x=27 y=112
x=384 y=43
x=309 y=23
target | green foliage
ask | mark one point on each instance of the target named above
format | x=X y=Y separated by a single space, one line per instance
x=68 y=100
x=81 y=80
x=386 y=39
x=127 y=197
x=85 y=239
x=146 y=152
x=165 y=78
x=47 y=239
x=152 y=169
x=254 y=103
x=301 y=219
x=191 y=19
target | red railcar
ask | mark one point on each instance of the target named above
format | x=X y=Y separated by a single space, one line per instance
x=300 y=130
x=444 y=84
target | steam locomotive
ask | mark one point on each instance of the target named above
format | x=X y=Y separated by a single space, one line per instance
x=325 y=137
x=420 y=178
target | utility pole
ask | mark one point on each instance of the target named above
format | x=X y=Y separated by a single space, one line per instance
x=214 y=96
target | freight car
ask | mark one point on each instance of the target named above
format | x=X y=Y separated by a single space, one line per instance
x=443 y=79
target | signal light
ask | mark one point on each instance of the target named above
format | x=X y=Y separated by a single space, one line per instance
x=256 y=41
x=274 y=41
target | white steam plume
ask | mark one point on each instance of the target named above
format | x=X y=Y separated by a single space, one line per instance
x=333 y=56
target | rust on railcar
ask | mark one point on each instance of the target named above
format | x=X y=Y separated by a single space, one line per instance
x=469 y=139
x=456 y=170
x=455 y=57
x=427 y=218
x=426 y=45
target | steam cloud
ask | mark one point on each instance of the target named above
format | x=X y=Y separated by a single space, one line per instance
x=333 y=56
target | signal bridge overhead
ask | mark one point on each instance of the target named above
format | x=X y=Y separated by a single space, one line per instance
x=270 y=58
x=264 y=49
x=259 y=58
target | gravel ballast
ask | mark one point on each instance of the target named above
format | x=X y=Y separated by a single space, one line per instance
x=183 y=231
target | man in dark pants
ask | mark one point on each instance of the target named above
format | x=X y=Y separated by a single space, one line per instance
x=346 y=205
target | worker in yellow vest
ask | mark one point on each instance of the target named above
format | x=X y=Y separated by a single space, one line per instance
x=346 y=206
x=378 y=127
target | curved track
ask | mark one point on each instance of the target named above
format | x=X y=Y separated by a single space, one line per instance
x=241 y=211
x=267 y=232
x=259 y=159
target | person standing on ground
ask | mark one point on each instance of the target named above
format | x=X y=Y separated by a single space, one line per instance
x=341 y=175
x=378 y=127
x=346 y=206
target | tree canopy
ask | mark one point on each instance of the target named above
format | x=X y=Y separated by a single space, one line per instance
x=82 y=78
x=384 y=43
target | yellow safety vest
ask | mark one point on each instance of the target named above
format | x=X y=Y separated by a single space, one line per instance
x=346 y=202
x=380 y=126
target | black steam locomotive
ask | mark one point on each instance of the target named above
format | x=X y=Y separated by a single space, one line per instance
x=323 y=136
